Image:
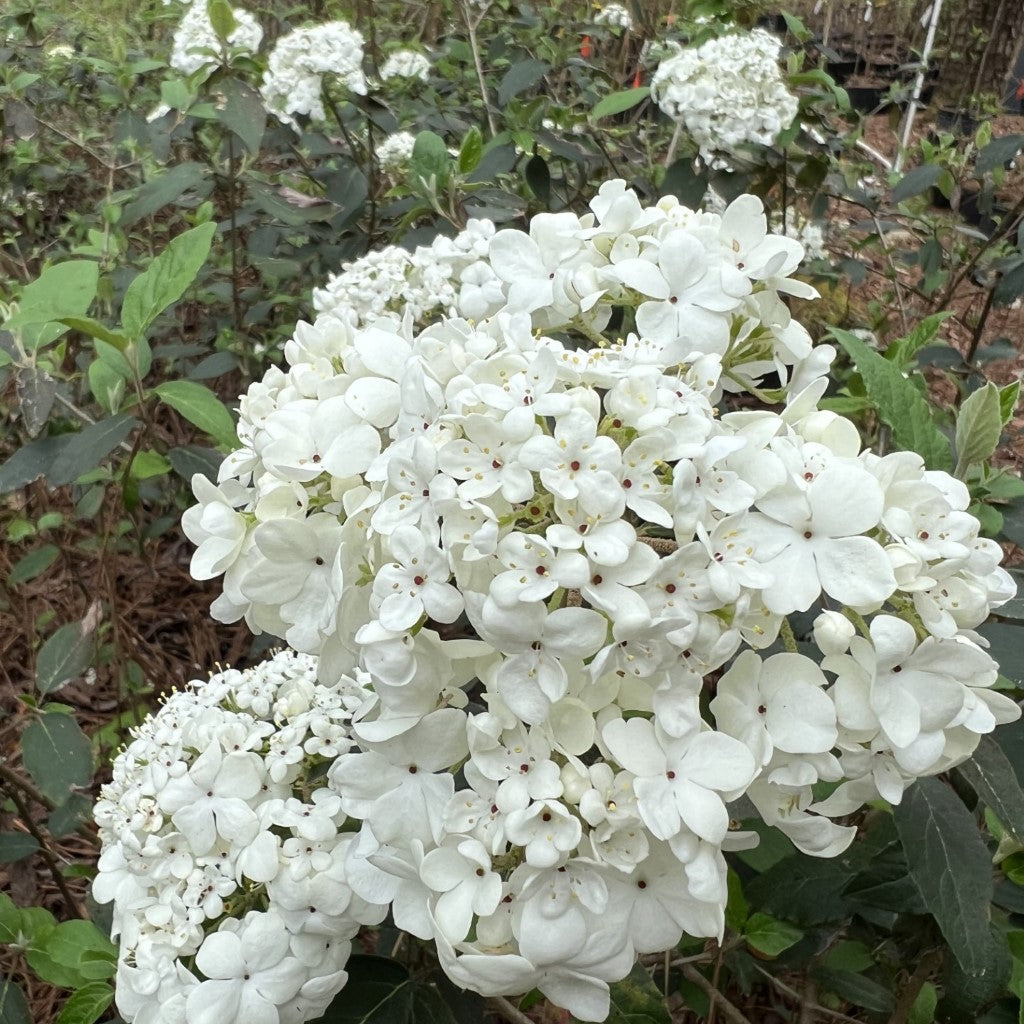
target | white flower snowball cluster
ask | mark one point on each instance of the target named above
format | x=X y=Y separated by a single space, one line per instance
x=727 y=92
x=405 y=64
x=566 y=526
x=614 y=15
x=294 y=80
x=195 y=42
x=225 y=856
x=450 y=276
x=395 y=151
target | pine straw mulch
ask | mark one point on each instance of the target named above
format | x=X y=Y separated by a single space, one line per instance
x=151 y=611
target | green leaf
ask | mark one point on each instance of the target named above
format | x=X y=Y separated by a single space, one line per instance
x=16 y=846
x=199 y=405
x=807 y=890
x=538 y=177
x=856 y=989
x=13 y=1008
x=950 y=865
x=992 y=777
x=148 y=464
x=222 y=18
x=191 y=459
x=31 y=461
x=683 y=182
x=10 y=920
x=65 y=655
x=902 y=350
x=166 y=279
x=998 y=153
x=87 y=1004
x=520 y=77
x=113 y=358
x=471 y=150
x=57 y=754
x=379 y=991
x=964 y=992
x=33 y=564
x=37 y=391
x=848 y=955
x=916 y=181
x=160 y=191
x=82 y=946
x=923 y=1010
x=94 y=329
x=637 y=1000
x=429 y=1006
x=1008 y=397
x=978 y=426
x=85 y=450
x=106 y=385
x=736 y=910
x=65 y=289
x=242 y=112
x=898 y=402
x=617 y=102
x=770 y=936
x=430 y=165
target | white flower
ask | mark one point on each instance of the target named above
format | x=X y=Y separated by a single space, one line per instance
x=395 y=150
x=614 y=14
x=405 y=64
x=196 y=44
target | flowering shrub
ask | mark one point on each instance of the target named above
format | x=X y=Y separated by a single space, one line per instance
x=196 y=44
x=575 y=530
x=727 y=93
x=294 y=80
x=405 y=64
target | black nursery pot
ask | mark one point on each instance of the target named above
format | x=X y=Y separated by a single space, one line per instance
x=958 y=122
x=868 y=99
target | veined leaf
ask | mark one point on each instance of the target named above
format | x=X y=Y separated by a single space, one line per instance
x=199 y=405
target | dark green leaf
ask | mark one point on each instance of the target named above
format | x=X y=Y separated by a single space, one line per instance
x=520 y=77
x=13 y=1008
x=992 y=777
x=965 y=992
x=617 y=102
x=30 y=462
x=191 y=459
x=242 y=112
x=57 y=754
x=916 y=181
x=770 y=936
x=1006 y=645
x=64 y=656
x=199 y=405
x=33 y=564
x=899 y=403
x=66 y=818
x=160 y=191
x=37 y=391
x=379 y=991
x=538 y=177
x=637 y=1000
x=683 y=182
x=805 y=890
x=856 y=989
x=16 y=846
x=88 y=448
x=87 y=1004
x=429 y=1006
x=951 y=867
x=166 y=279
x=998 y=153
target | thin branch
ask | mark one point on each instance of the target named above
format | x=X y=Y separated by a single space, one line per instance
x=474 y=46
x=729 y=1012
x=73 y=906
x=793 y=994
x=503 y=1008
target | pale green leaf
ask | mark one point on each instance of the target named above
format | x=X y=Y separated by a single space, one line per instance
x=199 y=405
x=978 y=426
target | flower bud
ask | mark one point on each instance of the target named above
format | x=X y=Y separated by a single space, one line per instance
x=833 y=632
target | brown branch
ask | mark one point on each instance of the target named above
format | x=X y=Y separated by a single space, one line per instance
x=729 y=1012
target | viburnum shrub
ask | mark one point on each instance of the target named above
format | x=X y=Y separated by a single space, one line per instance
x=514 y=547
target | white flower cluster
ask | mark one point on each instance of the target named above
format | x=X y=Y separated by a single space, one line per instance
x=294 y=80
x=395 y=152
x=615 y=15
x=449 y=276
x=224 y=853
x=406 y=64
x=571 y=531
x=196 y=45
x=727 y=92
x=809 y=233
